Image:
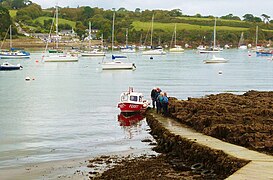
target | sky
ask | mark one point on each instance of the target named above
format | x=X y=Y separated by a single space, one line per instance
x=189 y=7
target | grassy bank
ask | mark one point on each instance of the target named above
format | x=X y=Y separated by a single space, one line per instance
x=169 y=27
x=61 y=21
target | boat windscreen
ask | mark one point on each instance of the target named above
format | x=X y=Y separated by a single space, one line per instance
x=133 y=98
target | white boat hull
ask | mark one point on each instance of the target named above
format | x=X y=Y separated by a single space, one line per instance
x=215 y=60
x=177 y=50
x=154 y=52
x=128 y=50
x=13 y=57
x=117 y=65
x=207 y=51
x=243 y=47
x=88 y=54
x=60 y=58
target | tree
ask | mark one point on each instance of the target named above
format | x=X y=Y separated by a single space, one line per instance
x=198 y=15
x=33 y=11
x=175 y=13
x=265 y=18
x=5 y=21
x=251 y=18
x=137 y=10
x=17 y=4
x=87 y=12
x=248 y=17
x=230 y=16
x=122 y=9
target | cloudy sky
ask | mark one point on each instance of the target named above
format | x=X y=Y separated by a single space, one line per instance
x=188 y=7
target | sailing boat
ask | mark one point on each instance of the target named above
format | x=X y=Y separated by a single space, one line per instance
x=260 y=50
x=214 y=49
x=116 y=63
x=94 y=52
x=215 y=59
x=158 y=51
x=127 y=49
x=242 y=44
x=141 y=47
x=176 y=48
x=58 y=57
x=13 y=53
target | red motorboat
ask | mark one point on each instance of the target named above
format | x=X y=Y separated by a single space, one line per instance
x=132 y=102
x=129 y=119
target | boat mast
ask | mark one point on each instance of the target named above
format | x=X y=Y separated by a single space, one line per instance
x=175 y=35
x=241 y=41
x=126 y=37
x=10 y=37
x=102 y=42
x=214 y=34
x=152 y=31
x=113 y=27
x=90 y=35
x=140 y=41
x=256 y=36
x=57 y=35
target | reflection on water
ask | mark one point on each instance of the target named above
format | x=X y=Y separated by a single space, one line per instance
x=70 y=109
x=131 y=123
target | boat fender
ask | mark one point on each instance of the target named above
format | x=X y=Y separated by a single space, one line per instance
x=197 y=166
x=206 y=172
x=27 y=78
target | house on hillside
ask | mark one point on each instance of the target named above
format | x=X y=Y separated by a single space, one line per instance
x=93 y=34
x=70 y=33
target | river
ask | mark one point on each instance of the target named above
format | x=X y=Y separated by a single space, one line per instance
x=69 y=110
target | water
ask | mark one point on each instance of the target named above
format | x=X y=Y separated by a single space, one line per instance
x=70 y=109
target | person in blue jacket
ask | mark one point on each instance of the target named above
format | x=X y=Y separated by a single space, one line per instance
x=165 y=102
x=159 y=102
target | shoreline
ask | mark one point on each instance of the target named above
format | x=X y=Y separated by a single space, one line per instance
x=188 y=152
x=179 y=157
x=75 y=168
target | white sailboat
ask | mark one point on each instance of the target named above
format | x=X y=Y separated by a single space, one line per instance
x=127 y=49
x=116 y=63
x=214 y=49
x=58 y=57
x=215 y=59
x=153 y=51
x=13 y=53
x=176 y=48
x=242 y=44
x=94 y=52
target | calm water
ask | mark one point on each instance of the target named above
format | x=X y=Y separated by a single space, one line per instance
x=70 y=109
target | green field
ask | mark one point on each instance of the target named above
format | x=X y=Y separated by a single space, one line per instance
x=182 y=26
x=12 y=13
x=61 y=21
x=210 y=19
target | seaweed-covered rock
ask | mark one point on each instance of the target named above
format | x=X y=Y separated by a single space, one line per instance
x=245 y=120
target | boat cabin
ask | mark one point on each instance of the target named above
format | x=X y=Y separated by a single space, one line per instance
x=131 y=97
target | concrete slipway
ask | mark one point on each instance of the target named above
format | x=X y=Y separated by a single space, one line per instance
x=260 y=166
